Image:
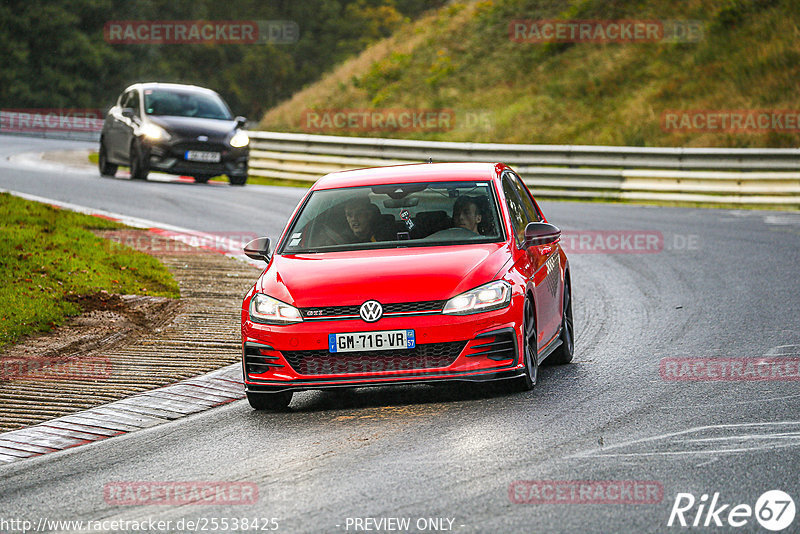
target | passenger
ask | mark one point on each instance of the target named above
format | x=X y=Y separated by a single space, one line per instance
x=467 y=214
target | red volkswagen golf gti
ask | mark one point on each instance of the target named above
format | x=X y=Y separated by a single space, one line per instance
x=407 y=274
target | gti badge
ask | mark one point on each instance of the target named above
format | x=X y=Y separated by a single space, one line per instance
x=202 y=138
x=371 y=311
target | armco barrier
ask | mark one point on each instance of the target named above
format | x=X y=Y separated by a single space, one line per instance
x=749 y=176
x=744 y=176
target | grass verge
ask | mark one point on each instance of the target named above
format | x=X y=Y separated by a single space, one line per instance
x=49 y=259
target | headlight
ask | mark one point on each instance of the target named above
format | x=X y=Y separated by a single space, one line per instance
x=154 y=132
x=265 y=309
x=491 y=296
x=239 y=139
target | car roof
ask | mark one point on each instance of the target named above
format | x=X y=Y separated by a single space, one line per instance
x=159 y=85
x=418 y=172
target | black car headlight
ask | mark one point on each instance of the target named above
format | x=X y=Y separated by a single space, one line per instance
x=265 y=309
x=240 y=139
x=154 y=132
x=491 y=296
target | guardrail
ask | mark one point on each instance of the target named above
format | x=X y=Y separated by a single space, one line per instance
x=749 y=176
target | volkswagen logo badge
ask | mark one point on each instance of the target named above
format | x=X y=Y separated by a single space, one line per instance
x=371 y=311
x=202 y=138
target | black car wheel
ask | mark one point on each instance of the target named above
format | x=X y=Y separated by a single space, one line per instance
x=269 y=401
x=526 y=382
x=106 y=168
x=563 y=354
x=201 y=179
x=139 y=165
x=237 y=180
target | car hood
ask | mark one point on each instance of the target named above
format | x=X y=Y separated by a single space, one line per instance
x=193 y=127
x=394 y=275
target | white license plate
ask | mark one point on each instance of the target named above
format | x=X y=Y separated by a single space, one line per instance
x=381 y=340
x=206 y=157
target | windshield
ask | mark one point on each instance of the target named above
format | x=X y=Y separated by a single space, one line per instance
x=179 y=103
x=395 y=215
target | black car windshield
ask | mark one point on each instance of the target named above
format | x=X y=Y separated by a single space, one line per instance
x=177 y=103
x=395 y=215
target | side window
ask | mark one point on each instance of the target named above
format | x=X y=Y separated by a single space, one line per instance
x=518 y=218
x=527 y=204
x=131 y=100
x=125 y=102
x=135 y=103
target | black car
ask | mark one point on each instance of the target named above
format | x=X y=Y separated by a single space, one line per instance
x=177 y=129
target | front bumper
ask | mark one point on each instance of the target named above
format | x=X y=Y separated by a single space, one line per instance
x=472 y=348
x=170 y=157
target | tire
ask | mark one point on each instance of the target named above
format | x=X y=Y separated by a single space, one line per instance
x=269 y=401
x=201 y=179
x=237 y=180
x=529 y=351
x=139 y=166
x=106 y=168
x=563 y=354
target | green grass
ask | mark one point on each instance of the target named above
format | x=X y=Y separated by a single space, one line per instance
x=49 y=257
x=461 y=58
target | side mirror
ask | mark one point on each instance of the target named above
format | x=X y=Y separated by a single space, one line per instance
x=540 y=233
x=257 y=249
x=240 y=121
x=128 y=112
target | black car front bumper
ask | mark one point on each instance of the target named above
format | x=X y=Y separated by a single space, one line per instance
x=171 y=158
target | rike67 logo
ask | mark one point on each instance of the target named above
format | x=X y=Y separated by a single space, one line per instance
x=774 y=510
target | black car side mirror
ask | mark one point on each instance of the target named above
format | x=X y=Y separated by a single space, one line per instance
x=128 y=112
x=541 y=233
x=240 y=121
x=257 y=249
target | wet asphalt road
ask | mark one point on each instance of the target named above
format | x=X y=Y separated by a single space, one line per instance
x=724 y=286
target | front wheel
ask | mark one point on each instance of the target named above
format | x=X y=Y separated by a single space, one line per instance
x=201 y=179
x=269 y=401
x=139 y=165
x=237 y=180
x=563 y=354
x=529 y=350
x=106 y=168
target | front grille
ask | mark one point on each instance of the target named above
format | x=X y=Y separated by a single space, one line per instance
x=426 y=356
x=398 y=307
x=210 y=146
x=260 y=358
x=497 y=347
x=405 y=307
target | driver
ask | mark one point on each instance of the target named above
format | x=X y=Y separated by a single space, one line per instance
x=466 y=214
x=362 y=219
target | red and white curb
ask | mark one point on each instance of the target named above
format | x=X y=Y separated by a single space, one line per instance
x=139 y=411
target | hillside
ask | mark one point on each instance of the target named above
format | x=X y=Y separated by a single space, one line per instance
x=462 y=59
